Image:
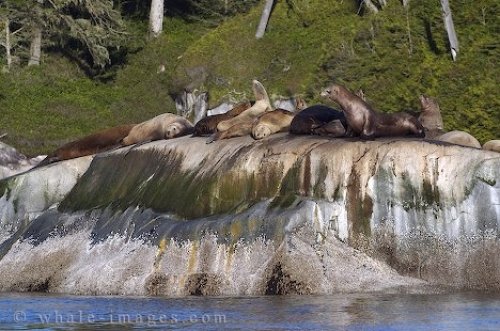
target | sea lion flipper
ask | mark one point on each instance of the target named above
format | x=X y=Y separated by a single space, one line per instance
x=349 y=132
x=212 y=138
x=333 y=129
x=137 y=145
x=260 y=93
x=48 y=160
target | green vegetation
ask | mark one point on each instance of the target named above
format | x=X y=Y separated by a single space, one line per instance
x=394 y=56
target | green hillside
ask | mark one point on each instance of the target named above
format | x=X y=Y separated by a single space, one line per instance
x=394 y=56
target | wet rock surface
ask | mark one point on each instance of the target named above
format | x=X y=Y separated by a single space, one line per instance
x=284 y=215
x=12 y=162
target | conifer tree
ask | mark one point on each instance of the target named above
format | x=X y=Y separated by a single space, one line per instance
x=84 y=30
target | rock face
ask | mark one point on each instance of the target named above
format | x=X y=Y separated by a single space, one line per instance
x=12 y=162
x=287 y=214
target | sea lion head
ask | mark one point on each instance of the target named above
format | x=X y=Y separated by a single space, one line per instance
x=332 y=92
x=424 y=101
x=261 y=131
x=300 y=104
x=428 y=104
x=422 y=98
x=174 y=130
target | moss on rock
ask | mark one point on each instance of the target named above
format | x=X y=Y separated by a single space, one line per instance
x=151 y=179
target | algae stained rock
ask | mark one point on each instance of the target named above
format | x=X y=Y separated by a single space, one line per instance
x=287 y=214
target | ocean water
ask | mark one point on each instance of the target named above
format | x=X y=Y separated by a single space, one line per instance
x=365 y=311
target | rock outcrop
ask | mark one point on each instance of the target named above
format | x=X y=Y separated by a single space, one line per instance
x=12 y=162
x=287 y=214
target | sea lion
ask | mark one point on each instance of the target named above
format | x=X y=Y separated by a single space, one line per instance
x=238 y=130
x=261 y=105
x=360 y=93
x=92 y=144
x=459 y=138
x=335 y=129
x=492 y=145
x=316 y=119
x=300 y=104
x=274 y=121
x=164 y=126
x=430 y=117
x=208 y=125
x=363 y=120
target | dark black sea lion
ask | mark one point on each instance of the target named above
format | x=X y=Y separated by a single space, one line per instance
x=315 y=120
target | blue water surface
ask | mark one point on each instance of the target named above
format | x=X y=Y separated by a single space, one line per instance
x=453 y=311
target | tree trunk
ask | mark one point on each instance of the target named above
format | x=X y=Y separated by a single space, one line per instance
x=369 y=4
x=156 y=18
x=36 y=47
x=7 y=43
x=450 y=28
x=264 y=19
x=405 y=2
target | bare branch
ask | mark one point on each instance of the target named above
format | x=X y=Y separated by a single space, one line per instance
x=17 y=31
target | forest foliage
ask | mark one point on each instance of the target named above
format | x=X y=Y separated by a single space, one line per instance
x=394 y=56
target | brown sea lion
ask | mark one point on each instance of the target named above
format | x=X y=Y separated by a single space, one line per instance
x=238 y=130
x=360 y=93
x=92 y=144
x=459 y=138
x=430 y=117
x=274 y=121
x=261 y=105
x=300 y=104
x=208 y=125
x=164 y=126
x=492 y=145
x=316 y=120
x=363 y=120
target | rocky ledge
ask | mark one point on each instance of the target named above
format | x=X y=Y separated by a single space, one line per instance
x=288 y=214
